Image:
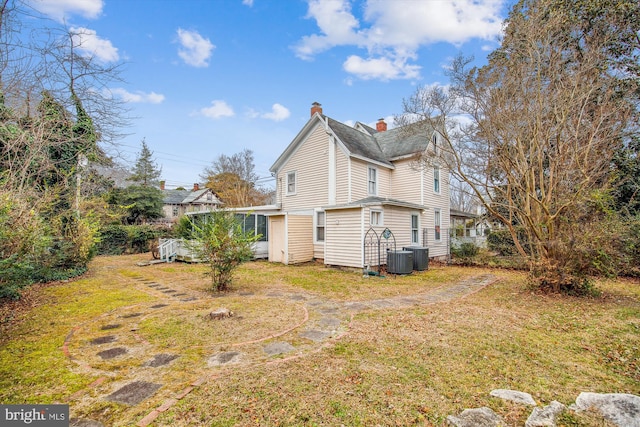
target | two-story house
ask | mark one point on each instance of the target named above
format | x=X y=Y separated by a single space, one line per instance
x=179 y=202
x=334 y=182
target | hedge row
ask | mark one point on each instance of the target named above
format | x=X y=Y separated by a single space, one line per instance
x=117 y=239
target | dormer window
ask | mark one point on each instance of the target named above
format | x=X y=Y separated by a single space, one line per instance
x=435 y=142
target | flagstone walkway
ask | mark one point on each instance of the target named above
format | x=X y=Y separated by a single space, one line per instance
x=113 y=344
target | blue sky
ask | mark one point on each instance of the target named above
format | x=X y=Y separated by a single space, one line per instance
x=210 y=77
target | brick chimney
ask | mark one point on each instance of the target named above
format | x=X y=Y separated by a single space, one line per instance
x=316 y=107
x=162 y=185
x=381 y=126
x=196 y=186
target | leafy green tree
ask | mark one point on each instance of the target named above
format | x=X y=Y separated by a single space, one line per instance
x=145 y=172
x=140 y=203
x=222 y=243
x=626 y=188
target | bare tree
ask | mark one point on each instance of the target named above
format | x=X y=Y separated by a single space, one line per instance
x=234 y=179
x=462 y=196
x=533 y=132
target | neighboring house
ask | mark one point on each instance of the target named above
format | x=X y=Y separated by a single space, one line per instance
x=468 y=227
x=179 y=202
x=335 y=182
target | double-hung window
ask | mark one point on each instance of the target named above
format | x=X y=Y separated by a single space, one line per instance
x=376 y=217
x=320 y=227
x=436 y=222
x=414 y=229
x=436 y=179
x=373 y=181
x=291 y=182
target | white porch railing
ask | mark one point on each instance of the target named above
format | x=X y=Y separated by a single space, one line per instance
x=168 y=249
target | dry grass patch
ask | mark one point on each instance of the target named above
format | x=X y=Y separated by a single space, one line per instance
x=416 y=366
x=409 y=366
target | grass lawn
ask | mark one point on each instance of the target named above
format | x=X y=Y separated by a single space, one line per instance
x=391 y=366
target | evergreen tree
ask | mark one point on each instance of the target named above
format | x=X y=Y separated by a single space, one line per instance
x=145 y=172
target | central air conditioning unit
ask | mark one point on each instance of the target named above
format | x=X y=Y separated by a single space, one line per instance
x=420 y=257
x=399 y=262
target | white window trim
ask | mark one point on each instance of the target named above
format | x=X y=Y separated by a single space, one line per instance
x=439 y=190
x=439 y=212
x=295 y=183
x=315 y=226
x=376 y=182
x=417 y=229
x=381 y=212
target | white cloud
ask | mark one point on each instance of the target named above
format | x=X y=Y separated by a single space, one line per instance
x=337 y=25
x=61 y=9
x=88 y=42
x=278 y=113
x=218 y=110
x=138 y=96
x=382 y=68
x=247 y=3
x=196 y=50
x=393 y=31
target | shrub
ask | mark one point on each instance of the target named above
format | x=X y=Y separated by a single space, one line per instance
x=139 y=237
x=465 y=250
x=221 y=241
x=114 y=240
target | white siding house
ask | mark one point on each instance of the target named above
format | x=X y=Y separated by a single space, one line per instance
x=335 y=182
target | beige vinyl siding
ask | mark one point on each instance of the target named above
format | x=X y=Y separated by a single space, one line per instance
x=360 y=180
x=437 y=201
x=342 y=177
x=318 y=251
x=398 y=220
x=359 y=170
x=384 y=182
x=405 y=182
x=300 y=238
x=344 y=237
x=310 y=162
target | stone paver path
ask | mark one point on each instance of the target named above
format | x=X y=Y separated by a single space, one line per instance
x=162 y=376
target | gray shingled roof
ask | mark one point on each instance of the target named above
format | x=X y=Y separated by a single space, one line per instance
x=358 y=143
x=376 y=201
x=193 y=195
x=398 y=143
x=380 y=146
x=174 y=197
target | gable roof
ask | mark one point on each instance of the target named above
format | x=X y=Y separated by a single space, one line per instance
x=183 y=197
x=363 y=141
x=195 y=195
x=174 y=197
x=400 y=143
x=358 y=143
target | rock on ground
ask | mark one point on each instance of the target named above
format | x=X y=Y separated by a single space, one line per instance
x=479 y=417
x=621 y=409
x=514 y=396
x=545 y=417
